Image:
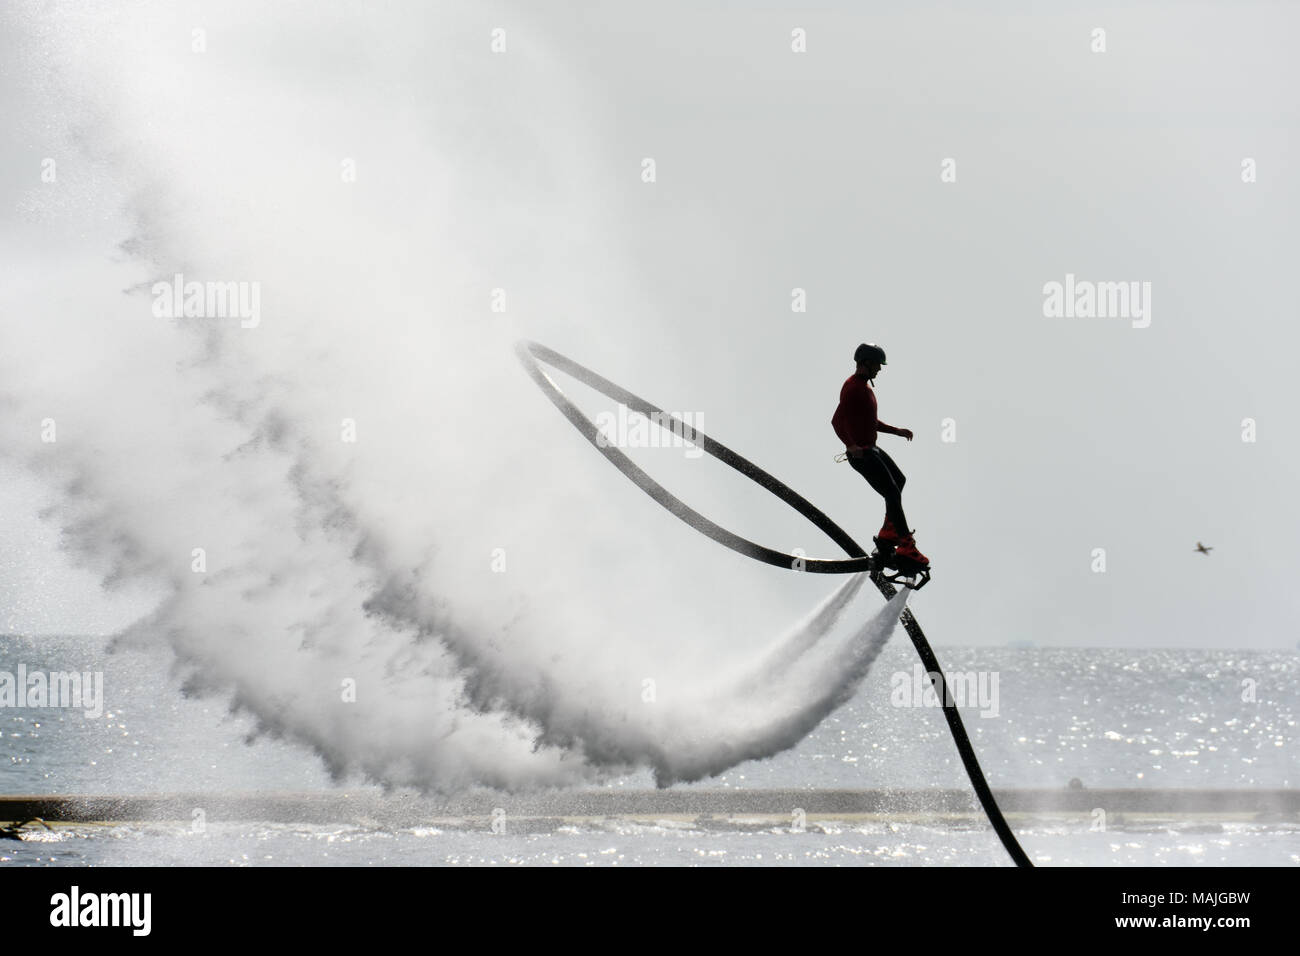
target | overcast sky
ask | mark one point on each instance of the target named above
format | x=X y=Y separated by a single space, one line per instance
x=1169 y=158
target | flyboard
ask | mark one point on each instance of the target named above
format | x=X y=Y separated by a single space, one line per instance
x=531 y=354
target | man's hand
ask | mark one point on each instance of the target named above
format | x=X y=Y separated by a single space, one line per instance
x=905 y=433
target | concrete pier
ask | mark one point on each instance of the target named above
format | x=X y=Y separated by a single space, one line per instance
x=410 y=809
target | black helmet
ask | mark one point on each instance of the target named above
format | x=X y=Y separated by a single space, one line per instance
x=866 y=352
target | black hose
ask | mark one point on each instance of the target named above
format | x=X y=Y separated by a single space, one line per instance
x=530 y=353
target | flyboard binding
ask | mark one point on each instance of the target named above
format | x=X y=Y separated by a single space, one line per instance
x=895 y=569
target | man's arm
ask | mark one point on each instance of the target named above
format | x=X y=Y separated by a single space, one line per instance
x=848 y=414
x=852 y=411
x=841 y=428
x=891 y=430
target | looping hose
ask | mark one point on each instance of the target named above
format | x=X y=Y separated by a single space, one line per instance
x=531 y=353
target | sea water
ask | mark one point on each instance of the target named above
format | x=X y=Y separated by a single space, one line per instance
x=1106 y=718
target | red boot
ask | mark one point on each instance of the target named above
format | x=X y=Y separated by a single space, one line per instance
x=907 y=551
x=889 y=536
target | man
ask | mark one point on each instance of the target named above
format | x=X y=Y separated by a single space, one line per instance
x=856 y=424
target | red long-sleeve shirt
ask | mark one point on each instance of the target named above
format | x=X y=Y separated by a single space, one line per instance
x=855 y=419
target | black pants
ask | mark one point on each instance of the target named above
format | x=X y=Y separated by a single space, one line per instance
x=883 y=475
